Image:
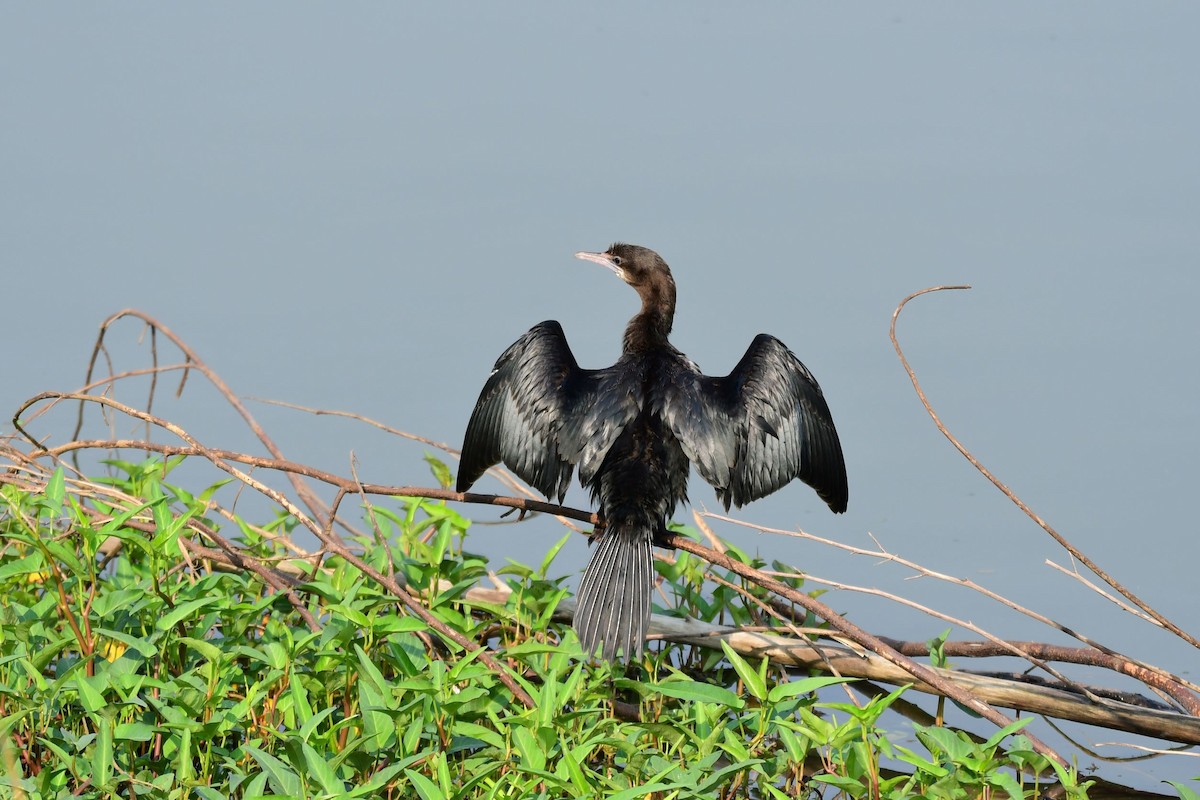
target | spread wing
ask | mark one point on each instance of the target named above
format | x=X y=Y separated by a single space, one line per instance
x=541 y=414
x=753 y=431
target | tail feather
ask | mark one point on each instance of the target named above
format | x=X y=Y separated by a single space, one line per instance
x=614 y=594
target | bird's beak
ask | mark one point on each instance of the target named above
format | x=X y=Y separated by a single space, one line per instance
x=603 y=259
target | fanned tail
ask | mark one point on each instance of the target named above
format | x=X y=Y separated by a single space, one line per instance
x=614 y=594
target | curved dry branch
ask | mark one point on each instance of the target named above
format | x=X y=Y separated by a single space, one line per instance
x=193 y=362
x=1070 y=548
x=1155 y=677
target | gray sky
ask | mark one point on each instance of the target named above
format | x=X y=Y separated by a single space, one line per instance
x=361 y=210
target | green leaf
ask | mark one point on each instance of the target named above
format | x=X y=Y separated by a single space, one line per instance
x=370 y=671
x=312 y=721
x=1006 y=782
x=134 y=732
x=937 y=649
x=752 y=680
x=552 y=553
x=1184 y=792
x=89 y=696
x=714 y=779
x=784 y=691
x=945 y=740
x=425 y=787
x=114 y=525
x=102 y=751
x=574 y=772
x=441 y=472
x=33 y=564
x=139 y=645
x=207 y=650
x=183 y=757
x=55 y=492
x=282 y=778
x=316 y=767
x=700 y=693
x=184 y=611
x=853 y=786
x=1008 y=730
x=531 y=751
x=486 y=735
x=642 y=791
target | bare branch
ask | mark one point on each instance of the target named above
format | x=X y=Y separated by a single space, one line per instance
x=1070 y=548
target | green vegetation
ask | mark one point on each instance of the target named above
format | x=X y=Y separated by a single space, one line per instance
x=135 y=671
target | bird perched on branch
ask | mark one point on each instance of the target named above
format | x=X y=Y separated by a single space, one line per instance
x=632 y=430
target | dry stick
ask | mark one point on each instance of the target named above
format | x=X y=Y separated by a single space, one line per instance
x=302 y=490
x=1070 y=548
x=1160 y=678
x=1075 y=575
x=324 y=412
x=503 y=475
x=113 y=379
x=859 y=636
x=282 y=465
x=331 y=542
x=953 y=620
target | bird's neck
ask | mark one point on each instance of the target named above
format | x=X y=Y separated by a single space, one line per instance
x=651 y=326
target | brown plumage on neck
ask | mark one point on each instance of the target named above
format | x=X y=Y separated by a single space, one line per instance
x=649 y=275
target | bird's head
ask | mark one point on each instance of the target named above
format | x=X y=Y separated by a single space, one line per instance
x=640 y=267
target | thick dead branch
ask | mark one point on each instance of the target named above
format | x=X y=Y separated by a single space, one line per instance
x=1004 y=692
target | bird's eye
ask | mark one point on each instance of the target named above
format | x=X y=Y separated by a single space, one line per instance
x=616 y=260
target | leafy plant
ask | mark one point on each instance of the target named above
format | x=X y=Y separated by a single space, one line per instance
x=132 y=667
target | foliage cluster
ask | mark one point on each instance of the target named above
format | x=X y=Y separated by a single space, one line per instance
x=131 y=671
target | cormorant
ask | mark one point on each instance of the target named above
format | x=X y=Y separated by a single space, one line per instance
x=633 y=428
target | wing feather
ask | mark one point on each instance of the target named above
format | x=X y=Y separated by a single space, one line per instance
x=541 y=414
x=756 y=429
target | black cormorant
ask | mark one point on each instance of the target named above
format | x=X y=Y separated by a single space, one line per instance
x=633 y=428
